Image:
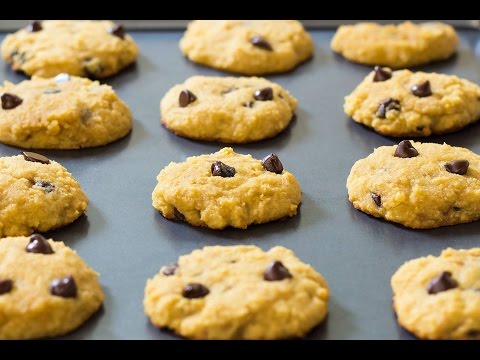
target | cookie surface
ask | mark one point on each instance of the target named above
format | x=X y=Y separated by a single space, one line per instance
x=404 y=103
x=64 y=112
x=439 y=297
x=434 y=188
x=249 y=47
x=45 y=289
x=96 y=49
x=228 y=109
x=248 y=194
x=396 y=46
x=237 y=292
x=37 y=196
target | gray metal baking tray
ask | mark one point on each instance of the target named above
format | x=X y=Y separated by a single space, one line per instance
x=127 y=241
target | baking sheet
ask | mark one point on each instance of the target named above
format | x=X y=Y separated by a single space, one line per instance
x=127 y=241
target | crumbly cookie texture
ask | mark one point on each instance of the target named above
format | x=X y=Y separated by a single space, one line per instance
x=87 y=48
x=439 y=297
x=421 y=103
x=228 y=109
x=396 y=46
x=237 y=292
x=205 y=191
x=427 y=186
x=37 y=197
x=64 y=112
x=249 y=47
x=46 y=289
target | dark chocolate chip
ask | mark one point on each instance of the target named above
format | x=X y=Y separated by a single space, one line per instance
x=170 y=269
x=272 y=163
x=442 y=282
x=186 y=97
x=264 y=94
x=5 y=286
x=405 y=150
x=218 y=168
x=34 y=26
x=64 y=287
x=381 y=74
x=52 y=91
x=228 y=91
x=194 y=291
x=47 y=187
x=178 y=215
x=10 y=101
x=39 y=245
x=456 y=208
x=276 y=271
x=261 y=43
x=459 y=167
x=61 y=78
x=249 y=104
x=377 y=199
x=34 y=157
x=387 y=105
x=118 y=30
x=422 y=90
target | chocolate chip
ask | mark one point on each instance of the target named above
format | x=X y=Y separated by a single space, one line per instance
x=5 y=286
x=249 y=104
x=405 y=150
x=456 y=208
x=34 y=157
x=169 y=270
x=186 y=97
x=64 y=287
x=61 y=78
x=218 y=168
x=178 y=215
x=264 y=94
x=10 y=101
x=377 y=199
x=47 y=187
x=442 y=282
x=52 y=91
x=228 y=91
x=387 y=105
x=422 y=90
x=272 y=163
x=261 y=43
x=473 y=333
x=420 y=128
x=381 y=74
x=39 y=245
x=276 y=271
x=118 y=30
x=194 y=291
x=34 y=26
x=459 y=167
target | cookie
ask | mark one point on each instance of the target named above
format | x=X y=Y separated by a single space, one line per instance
x=439 y=297
x=64 y=112
x=95 y=49
x=237 y=292
x=46 y=289
x=418 y=185
x=37 y=194
x=226 y=189
x=404 y=103
x=249 y=47
x=227 y=109
x=396 y=46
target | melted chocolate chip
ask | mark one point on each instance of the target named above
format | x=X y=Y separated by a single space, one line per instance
x=377 y=199
x=118 y=30
x=218 y=168
x=261 y=43
x=386 y=106
x=64 y=287
x=178 y=215
x=381 y=74
x=276 y=271
x=170 y=269
x=272 y=163
x=249 y=104
x=194 y=291
x=34 y=157
x=6 y=286
x=422 y=90
x=52 y=91
x=39 y=245
x=442 y=282
x=34 y=26
x=47 y=187
x=264 y=94
x=459 y=167
x=61 y=78
x=10 y=101
x=405 y=150
x=186 y=97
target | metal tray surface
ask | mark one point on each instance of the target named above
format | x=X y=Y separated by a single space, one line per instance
x=127 y=241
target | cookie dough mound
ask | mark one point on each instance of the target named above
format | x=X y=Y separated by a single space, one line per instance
x=228 y=109
x=396 y=46
x=420 y=186
x=237 y=292
x=96 y=49
x=46 y=289
x=226 y=189
x=438 y=297
x=36 y=196
x=64 y=112
x=249 y=47
x=403 y=103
